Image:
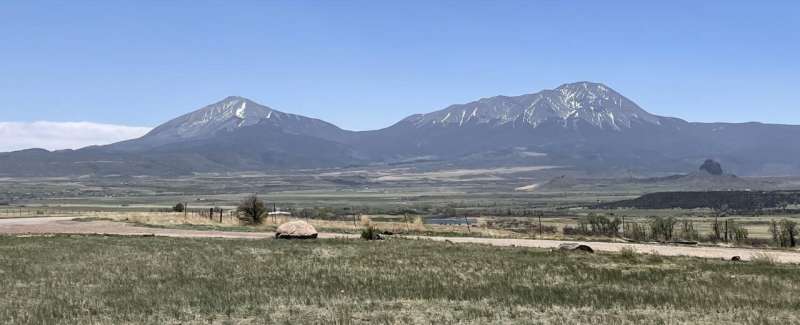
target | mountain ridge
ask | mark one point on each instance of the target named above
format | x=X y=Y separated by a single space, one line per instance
x=584 y=124
x=568 y=101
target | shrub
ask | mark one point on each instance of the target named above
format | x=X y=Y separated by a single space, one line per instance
x=635 y=231
x=686 y=230
x=628 y=253
x=661 y=228
x=736 y=232
x=595 y=225
x=763 y=258
x=569 y=230
x=251 y=210
x=716 y=227
x=784 y=233
x=775 y=231
x=370 y=233
x=178 y=207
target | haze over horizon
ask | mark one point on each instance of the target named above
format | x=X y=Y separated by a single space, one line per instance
x=364 y=65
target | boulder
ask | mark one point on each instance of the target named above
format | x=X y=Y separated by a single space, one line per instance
x=575 y=247
x=296 y=230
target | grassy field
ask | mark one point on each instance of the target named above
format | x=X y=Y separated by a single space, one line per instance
x=97 y=280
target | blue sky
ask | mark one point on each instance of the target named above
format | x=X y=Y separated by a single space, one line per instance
x=366 y=64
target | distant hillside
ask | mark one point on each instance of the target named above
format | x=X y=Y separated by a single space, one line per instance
x=735 y=200
x=583 y=126
x=588 y=126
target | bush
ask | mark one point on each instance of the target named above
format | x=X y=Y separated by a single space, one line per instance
x=635 y=231
x=251 y=210
x=569 y=231
x=178 y=207
x=661 y=228
x=763 y=258
x=686 y=231
x=628 y=253
x=784 y=233
x=370 y=233
x=736 y=232
x=594 y=225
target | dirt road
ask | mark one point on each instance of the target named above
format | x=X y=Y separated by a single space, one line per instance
x=65 y=225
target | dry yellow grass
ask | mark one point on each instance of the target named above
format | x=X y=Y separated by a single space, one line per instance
x=413 y=226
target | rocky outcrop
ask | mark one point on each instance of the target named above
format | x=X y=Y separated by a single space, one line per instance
x=712 y=167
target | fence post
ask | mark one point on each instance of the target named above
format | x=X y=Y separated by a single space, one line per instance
x=540 y=224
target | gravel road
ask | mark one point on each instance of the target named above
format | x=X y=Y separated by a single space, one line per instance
x=65 y=225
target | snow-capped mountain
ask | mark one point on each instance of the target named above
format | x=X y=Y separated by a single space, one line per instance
x=593 y=103
x=583 y=125
x=229 y=115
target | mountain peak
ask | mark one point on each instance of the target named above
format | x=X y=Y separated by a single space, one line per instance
x=229 y=115
x=590 y=102
x=584 y=85
x=242 y=108
x=234 y=99
x=591 y=89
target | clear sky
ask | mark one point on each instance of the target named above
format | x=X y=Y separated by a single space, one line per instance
x=367 y=64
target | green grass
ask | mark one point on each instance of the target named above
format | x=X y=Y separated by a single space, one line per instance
x=117 y=280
